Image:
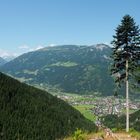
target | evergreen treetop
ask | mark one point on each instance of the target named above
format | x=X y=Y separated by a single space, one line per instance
x=126 y=46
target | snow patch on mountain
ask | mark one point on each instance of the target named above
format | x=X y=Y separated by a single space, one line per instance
x=101 y=46
x=106 y=57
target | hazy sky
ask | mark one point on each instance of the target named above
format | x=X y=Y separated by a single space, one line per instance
x=26 y=25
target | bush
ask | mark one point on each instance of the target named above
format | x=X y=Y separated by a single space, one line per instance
x=135 y=134
x=79 y=135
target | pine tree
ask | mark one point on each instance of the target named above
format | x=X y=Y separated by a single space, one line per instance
x=126 y=48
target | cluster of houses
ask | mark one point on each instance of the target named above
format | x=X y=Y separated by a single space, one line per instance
x=101 y=105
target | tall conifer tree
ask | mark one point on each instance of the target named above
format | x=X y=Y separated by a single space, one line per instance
x=125 y=55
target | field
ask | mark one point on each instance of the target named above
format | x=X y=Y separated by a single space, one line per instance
x=85 y=110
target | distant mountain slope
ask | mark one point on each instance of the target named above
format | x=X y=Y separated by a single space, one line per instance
x=70 y=68
x=32 y=114
x=2 y=61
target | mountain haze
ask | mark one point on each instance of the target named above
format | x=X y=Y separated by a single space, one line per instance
x=69 y=68
x=2 y=61
x=32 y=114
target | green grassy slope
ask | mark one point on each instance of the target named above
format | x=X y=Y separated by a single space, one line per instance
x=27 y=113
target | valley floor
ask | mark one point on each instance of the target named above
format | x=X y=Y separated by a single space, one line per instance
x=92 y=106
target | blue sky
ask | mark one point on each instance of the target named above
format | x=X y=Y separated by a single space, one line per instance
x=26 y=25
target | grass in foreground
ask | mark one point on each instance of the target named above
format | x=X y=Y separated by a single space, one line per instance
x=135 y=134
x=80 y=135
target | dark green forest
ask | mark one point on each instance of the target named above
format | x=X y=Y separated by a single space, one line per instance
x=119 y=122
x=27 y=113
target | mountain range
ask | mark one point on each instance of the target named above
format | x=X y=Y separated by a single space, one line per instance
x=2 y=61
x=67 y=68
x=32 y=114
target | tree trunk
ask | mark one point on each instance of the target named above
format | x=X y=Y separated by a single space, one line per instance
x=127 y=99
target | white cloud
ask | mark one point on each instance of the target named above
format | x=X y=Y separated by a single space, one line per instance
x=52 y=45
x=39 y=47
x=21 y=49
x=24 y=47
x=6 y=54
x=36 y=48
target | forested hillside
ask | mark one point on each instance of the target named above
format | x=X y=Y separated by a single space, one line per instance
x=69 y=68
x=32 y=114
x=119 y=123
